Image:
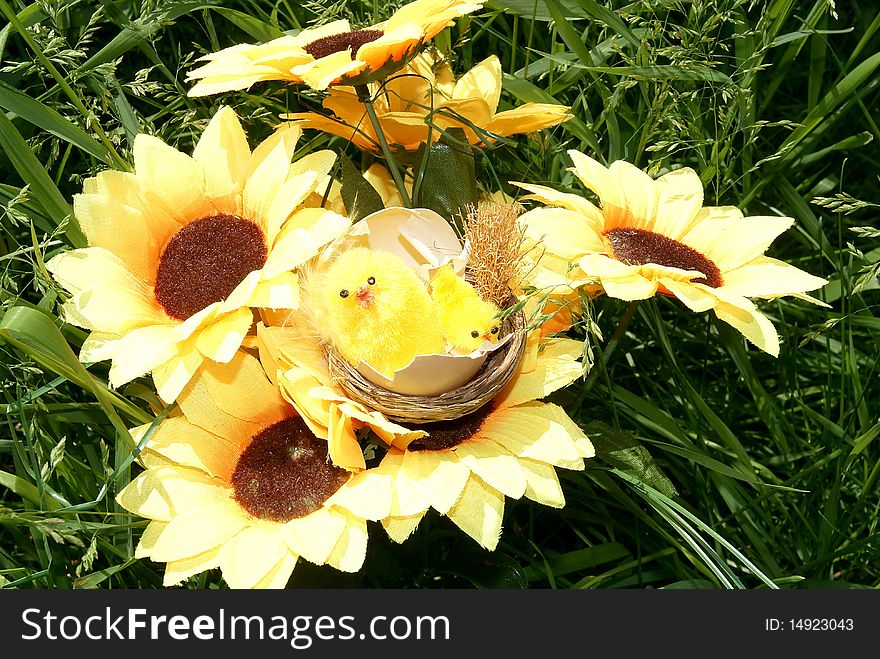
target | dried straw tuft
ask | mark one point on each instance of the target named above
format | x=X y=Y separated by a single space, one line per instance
x=496 y=245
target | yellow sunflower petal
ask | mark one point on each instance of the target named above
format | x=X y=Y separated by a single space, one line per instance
x=280 y=292
x=172 y=376
x=98 y=346
x=679 y=199
x=323 y=72
x=349 y=553
x=528 y=118
x=767 y=277
x=535 y=431
x=573 y=202
x=597 y=178
x=357 y=135
x=400 y=528
x=302 y=238
x=752 y=324
x=366 y=495
x=162 y=493
x=251 y=555
x=732 y=243
x=440 y=477
x=314 y=536
x=136 y=235
x=221 y=339
x=280 y=574
x=192 y=533
x=494 y=465
x=557 y=366
x=267 y=172
x=148 y=539
x=142 y=350
x=188 y=445
x=630 y=287
x=542 y=484
x=235 y=400
x=171 y=180
x=482 y=81
x=640 y=191
x=392 y=46
x=178 y=571
x=564 y=233
x=342 y=442
x=312 y=34
x=695 y=297
x=223 y=154
x=113 y=309
x=479 y=513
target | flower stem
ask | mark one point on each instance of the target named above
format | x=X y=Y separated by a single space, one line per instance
x=363 y=93
x=604 y=358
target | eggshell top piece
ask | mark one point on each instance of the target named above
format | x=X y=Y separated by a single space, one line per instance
x=422 y=238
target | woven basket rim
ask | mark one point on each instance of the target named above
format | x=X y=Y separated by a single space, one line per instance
x=495 y=373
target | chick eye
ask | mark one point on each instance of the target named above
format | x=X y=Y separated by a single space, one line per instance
x=494 y=330
x=343 y=293
x=371 y=281
x=475 y=334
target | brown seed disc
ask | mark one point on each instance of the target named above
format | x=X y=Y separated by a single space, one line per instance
x=336 y=43
x=205 y=261
x=284 y=473
x=637 y=247
x=448 y=434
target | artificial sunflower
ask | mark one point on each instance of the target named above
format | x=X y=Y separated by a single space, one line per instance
x=240 y=482
x=424 y=100
x=510 y=447
x=181 y=249
x=330 y=54
x=295 y=361
x=652 y=236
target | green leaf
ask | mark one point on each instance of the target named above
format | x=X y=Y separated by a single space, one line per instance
x=254 y=27
x=449 y=183
x=623 y=451
x=360 y=198
x=49 y=120
x=27 y=491
x=35 y=175
x=33 y=333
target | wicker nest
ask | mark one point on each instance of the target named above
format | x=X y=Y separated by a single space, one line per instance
x=494 y=374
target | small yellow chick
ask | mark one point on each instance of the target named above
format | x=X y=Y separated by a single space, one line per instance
x=466 y=319
x=373 y=308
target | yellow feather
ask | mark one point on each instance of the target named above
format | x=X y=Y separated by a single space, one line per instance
x=373 y=308
x=465 y=318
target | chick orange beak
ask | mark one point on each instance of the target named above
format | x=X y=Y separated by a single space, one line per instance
x=365 y=296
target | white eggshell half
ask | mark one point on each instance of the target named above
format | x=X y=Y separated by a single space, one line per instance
x=419 y=236
x=432 y=375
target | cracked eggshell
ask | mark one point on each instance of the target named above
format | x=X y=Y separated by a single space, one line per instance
x=432 y=375
x=422 y=238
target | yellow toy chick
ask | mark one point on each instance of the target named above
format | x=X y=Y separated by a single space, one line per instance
x=376 y=310
x=466 y=319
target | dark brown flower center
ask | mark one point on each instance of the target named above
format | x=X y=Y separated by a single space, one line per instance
x=205 y=261
x=336 y=43
x=448 y=434
x=284 y=473
x=638 y=247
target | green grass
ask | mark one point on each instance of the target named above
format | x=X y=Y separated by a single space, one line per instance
x=718 y=466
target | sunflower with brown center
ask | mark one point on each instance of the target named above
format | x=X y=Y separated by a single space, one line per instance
x=294 y=360
x=655 y=236
x=183 y=248
x=330 y=54
x=424 y=100
x=240 y=482
x=464 y=468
